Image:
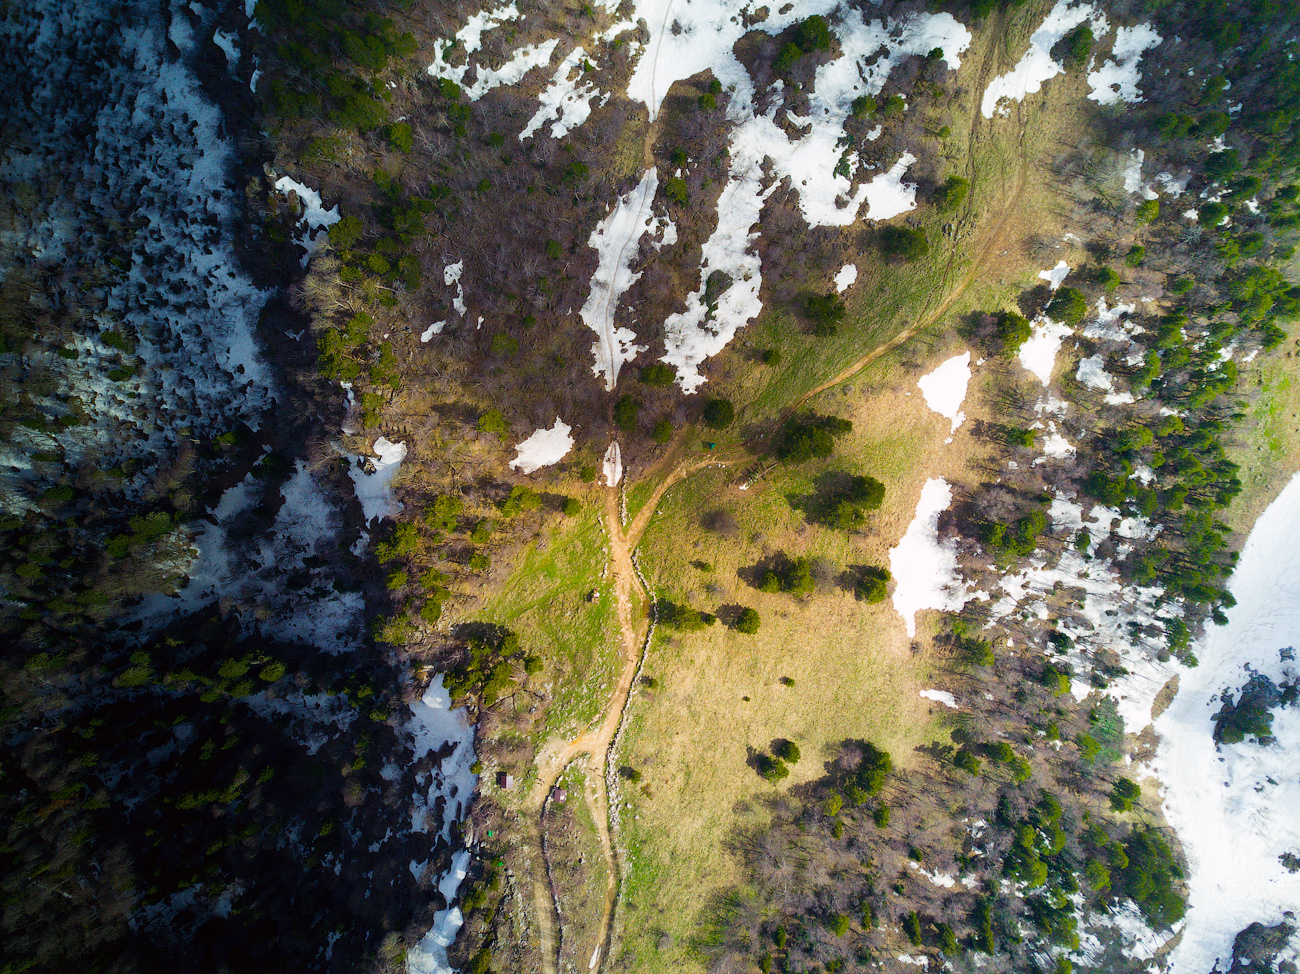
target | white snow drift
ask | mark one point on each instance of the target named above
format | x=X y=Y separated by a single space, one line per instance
x=543 y=448
x=945 y=388
x=1037 y=65
x=1234 y=807
x=617 y=240
x=1117 y=80
x=371 y=479
x=925 y=568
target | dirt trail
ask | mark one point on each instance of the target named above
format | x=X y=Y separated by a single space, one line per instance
x=632 y=598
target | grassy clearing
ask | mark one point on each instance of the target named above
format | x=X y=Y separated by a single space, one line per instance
x=577 y=867
x=719 y=697
x=1268 y=449
x=545 y=600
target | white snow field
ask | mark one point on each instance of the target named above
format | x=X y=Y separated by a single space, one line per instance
x=1237 y=808
x=612 y=468
x=685 y=39
x=543 y=448
x=1037 y=65
x=925 y=568
x=617 y=241
x=136 y=142
x=845 y=277
x=1056 y=275
x=1117 y=80
x=566 y=102
x=1038 y=353
x=315 y=218
x=371 y=479
x=940 y=696
x=944 y=389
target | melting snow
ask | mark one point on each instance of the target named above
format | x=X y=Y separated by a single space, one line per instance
x=616 y=240
x=434 y=329
x=429 y=956
x=543 y=448
x=566 y=100
x=451 y=275
x=1117 y=80
x=1038 y=353
x=845 y=277
x=1056 y=275
x=1037 y=65
x=925 y=568
x=371 y=479
x=1133 y=175
x=940 y=696
x=315 y=217
x=1092 y=373
x=1234 y=807
x=945 y=388
x=613 y=465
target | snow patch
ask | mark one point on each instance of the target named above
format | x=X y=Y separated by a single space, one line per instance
x=1037 y=65
x=925 y=568
x=945 y=388
x=940 y=696
x=616 y=241
x=613 y=465
x=315 y=217
x=1117 y=80
x=1056 y=275
x=845 y=277
x=543 y=448
x=371 y=479
x=1038 y=353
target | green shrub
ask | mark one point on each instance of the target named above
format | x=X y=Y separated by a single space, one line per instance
x=771 y=356
x=1147 y=211
x=399 y=136
x=679 y=617
x=787 y=751
x=872 y=584
x=404 y=541
x=675 y=190
x=951 y=193
x=1068 y=306
x=813 y=34
x=572 y=507
x=444 y=512
x=912 y=927
x=492 y=421
x=1123 y=794
x=657 y=374
x=663 y=431
x=625 y=412
x=520 y=500
x=825 y=311
x=1136 y=255
x=718 y=413
x=880 y=816
x=1074 y=48
x=966 y=761
x=1107 y=277
x=1012 y=330
x=903 y=243
x=809 y=436
x=864 y=106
